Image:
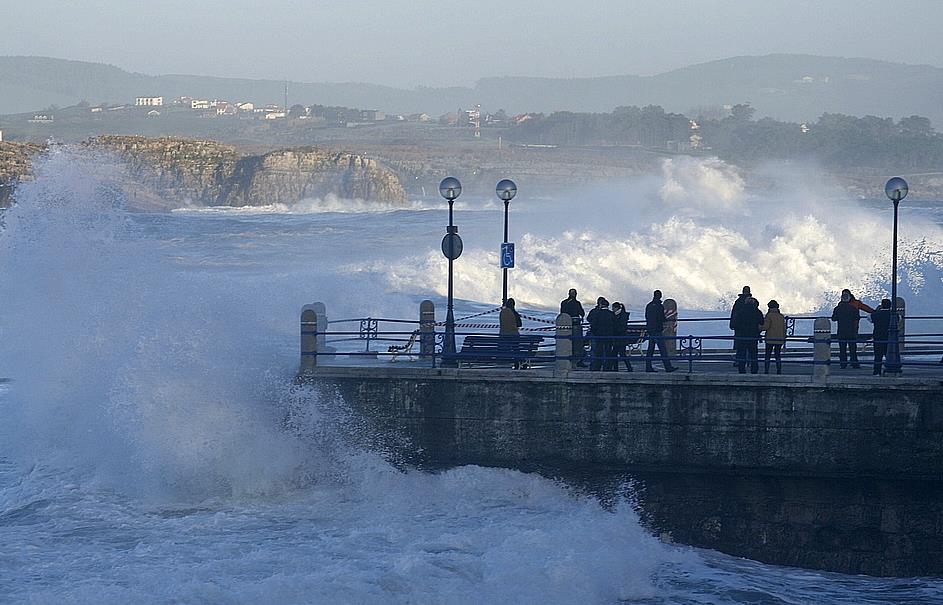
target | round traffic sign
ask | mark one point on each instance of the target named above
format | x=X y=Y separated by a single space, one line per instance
x=452 y=246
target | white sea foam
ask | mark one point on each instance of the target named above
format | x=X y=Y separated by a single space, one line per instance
x=153 y=450
x=697 y=234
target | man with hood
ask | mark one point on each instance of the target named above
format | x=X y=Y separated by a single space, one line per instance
x=602 y=328
x=847 y=316
x=654 y=328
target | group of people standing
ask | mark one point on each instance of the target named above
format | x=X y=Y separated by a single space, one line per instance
x=747 y=322
x=610 y=336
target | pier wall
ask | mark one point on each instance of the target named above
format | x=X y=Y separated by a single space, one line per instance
x=843 y=475
x=781 y=425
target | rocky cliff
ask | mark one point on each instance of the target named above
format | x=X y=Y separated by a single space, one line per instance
x=15 y=163
x=178 y=172
x=165 y=173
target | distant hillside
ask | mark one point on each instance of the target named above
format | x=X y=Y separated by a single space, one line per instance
x=787 y=87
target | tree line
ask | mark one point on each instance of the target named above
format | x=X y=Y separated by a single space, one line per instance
x=834 y=140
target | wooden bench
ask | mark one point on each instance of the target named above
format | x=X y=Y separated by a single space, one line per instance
x=483 y=348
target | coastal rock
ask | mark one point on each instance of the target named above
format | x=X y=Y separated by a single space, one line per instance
x=15 y=165
x=173 y=172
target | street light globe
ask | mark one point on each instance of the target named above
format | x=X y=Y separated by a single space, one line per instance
x=896 y=189
x=450 y=188
x=506 y=190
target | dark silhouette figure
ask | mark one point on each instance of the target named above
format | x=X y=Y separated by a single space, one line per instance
x=847 y=315
x=510 y=323
x=602 y=328
x=746 y=324
x=655 y=326
x=774 y=324
x=737 y=305
x=622 y=327
x=572 y=307
x=882 y=325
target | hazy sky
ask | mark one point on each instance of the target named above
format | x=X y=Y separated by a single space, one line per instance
x=444 y=42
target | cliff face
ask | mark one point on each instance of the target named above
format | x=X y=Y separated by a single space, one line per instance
x=290 y=175
x=170 y=172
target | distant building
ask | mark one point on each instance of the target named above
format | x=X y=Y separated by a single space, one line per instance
x=1 y=136
x=420 y=117
x=372 y=115
x=245 y=106
x=148 y=101
x=274 y=115
x=223 y=108
x=97 y=109
x=199 y=104
x=42 y=118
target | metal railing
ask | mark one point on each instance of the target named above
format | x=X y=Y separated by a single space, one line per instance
x=692 y=350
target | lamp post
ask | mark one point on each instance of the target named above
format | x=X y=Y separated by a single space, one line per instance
x=896 y=189
x=450 y=188
x=506 y=190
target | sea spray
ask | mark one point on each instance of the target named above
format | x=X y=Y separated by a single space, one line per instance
x=699 y=234
x=154 y=449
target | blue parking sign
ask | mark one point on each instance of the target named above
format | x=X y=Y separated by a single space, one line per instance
x=507 y=256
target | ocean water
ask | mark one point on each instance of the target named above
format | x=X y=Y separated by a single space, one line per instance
x=152 y=449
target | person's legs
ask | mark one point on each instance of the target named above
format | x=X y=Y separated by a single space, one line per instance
x=754 y=357
x=650 y=354
x=596 y=364
x=880 y=349
x=843 y=354
x=611 y=363
x=664 y=355
x=769 y=351
x=778 y=352
x=854 y=354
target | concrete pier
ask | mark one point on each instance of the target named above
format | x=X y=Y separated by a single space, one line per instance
x=764 y=431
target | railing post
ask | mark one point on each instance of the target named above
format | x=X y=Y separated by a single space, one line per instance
x=821 y=358
x=564 y=343
x=309 y=338
x=426 y=328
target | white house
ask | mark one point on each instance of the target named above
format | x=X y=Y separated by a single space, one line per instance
x=148 y=101
x=199 y=104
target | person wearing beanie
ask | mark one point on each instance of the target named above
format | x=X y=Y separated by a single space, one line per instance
x=847 y=316
x=774 y=324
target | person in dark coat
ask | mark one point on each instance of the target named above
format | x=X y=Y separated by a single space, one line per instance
x=847 y=315
x=654 y=328
x=602 y=328
x=881 y=319
x=746 y=323
x=622 y=328
x=737 y=305
x=509 y=327
x=574 y=308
